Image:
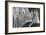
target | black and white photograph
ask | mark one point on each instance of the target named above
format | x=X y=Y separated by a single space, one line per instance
x=26 y=17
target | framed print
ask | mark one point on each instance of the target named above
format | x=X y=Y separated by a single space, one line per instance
x=24 y=17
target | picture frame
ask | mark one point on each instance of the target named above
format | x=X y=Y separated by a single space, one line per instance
x=35 y=9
